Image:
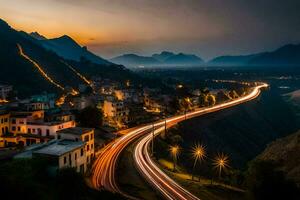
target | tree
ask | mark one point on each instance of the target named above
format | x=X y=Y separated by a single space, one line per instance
x=222 y=96
x=90 y=117
x=186 y=104
x=202 y=100
x=266 y=181
x=233 y=94
x=211 y=100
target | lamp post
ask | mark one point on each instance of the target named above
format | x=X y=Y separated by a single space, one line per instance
x=174 y=150
x=198 y=154
x=221 y=163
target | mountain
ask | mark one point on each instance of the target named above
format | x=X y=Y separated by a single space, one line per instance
x=68 y=48
x=288 y=55
x=285 y=56
x=32 y=69
x=37 y=36
x=133 y=60
x=232 y=60
x=285 y=151
x=163 y=56
x=163 y=59
x=183 y=59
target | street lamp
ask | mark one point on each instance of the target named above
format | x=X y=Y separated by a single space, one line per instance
x=198 y=154
x=221 y=163
x=174 y=151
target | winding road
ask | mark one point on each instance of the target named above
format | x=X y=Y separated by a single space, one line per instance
x=103 y=175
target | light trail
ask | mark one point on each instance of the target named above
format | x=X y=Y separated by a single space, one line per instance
x=3 y=101
x=77 y=73
x=105 y=164
x=40 y=69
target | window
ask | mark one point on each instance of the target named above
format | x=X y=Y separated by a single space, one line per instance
x=6 y=120
x=92 y=146
x=87 y=147
x=70 y=160
x=92 y=136
x=81 y=152
x=75 y=156
x=86 y=138
x=82 y=168
x=65 y=160
x=13 y=128
x=29 y=130
x=39 y=131
x=13 y=121
x=47 y=132
x=19 y=128
x=76 y=139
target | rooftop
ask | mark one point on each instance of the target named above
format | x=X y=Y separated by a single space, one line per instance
x=76 y=130
x=60 y=147
x=43 y=123
x=4 y=112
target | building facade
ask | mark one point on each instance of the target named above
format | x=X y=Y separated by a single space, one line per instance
x=85 y=135
x=64 y=154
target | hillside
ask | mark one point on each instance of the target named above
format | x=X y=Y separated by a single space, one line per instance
x=163 y=59
x=25 y=72
x=285 y=151
x=133 y=60
x=67 y=48
x=183 y=59
x=163 y=56
x=231 y=60
x=288 y=55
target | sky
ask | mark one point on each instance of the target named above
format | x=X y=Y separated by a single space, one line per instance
x=207 y=28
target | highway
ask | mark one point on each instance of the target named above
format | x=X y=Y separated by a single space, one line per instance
x=103 y=176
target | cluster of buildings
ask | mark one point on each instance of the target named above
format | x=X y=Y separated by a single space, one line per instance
x=43 y=130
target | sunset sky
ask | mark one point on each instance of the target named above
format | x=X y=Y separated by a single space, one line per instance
x=204 y=27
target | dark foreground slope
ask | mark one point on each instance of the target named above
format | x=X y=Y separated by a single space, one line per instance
x=285 y=152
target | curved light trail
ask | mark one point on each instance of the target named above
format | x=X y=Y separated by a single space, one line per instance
x=40 y=69
x=104 y=167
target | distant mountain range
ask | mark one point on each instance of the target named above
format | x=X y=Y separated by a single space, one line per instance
x=288 y=55
x=163 y=59
x=22 y=71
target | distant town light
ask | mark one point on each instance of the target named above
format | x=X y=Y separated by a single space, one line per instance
x=179 y=86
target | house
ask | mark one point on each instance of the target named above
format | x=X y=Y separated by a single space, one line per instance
x=5 y=90
x=32 y=106
x=85 y=135
x=22 y=140
x=64 y=154
x=115 y=112
x=4 y=122
x=25 y=128
x=33 y=122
